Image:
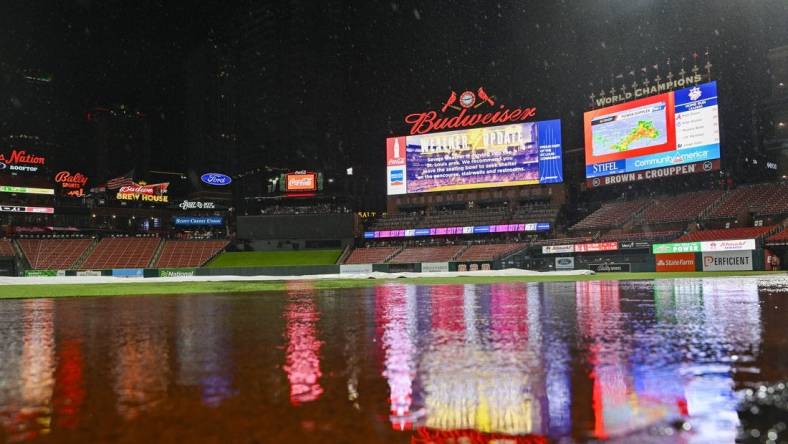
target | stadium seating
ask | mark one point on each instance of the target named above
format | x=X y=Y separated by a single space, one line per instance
x=611 y=214
x=488 y=252
x=427 y=254
x=53 y=254
x=565 y=241
x=188 y=253
x=122 y=252
x=763 y=199
x=6 y=249
x=685 y=207
x=651 y=236
x=723 y=234
x=780 y=238
x=371 y=255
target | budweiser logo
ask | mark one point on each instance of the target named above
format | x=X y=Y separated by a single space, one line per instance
x=468 y=101
x=158 y=188
x=22 y=157
x=66 y=177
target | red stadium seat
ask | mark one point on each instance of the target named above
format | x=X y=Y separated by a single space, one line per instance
x=53 y=254
x=188 y=253
x=372 y=255
x=122 y=252
x=427 y=254
x=723 y=234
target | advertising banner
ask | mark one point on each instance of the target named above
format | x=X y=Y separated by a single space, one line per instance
x=677 y=247
x=89 y=273
x=301 y=182
x=564 y=263
x=72 y=185
x=676 y=262
x=176 y=272
x=727 y=261
x=25 y=190
x=634 y=245
x=728 y=245
x=508 y=155
x=142 y=192
x=127 y=272
x=666 y=133
x=609 y=268
x=596 y=246
x=21 y=161
x=40 y=273
x=22 y=209
x=355 y=268
x=444 y=231
x=197 y=221
x=557 y=249
x=434 y=267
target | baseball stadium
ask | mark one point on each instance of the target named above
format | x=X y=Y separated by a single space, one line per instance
x=414 y=222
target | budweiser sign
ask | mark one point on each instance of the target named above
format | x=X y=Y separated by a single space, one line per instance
x=465 y=106
x=156 y=192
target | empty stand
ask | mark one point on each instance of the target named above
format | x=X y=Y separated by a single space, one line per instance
x=780 y=238
x=188 y=253
x=723 y=234
x=685 y=207
x=427 y=254
x=53 y=254
x=564 y=241
x=6 y=249
x=651 y=236
x=371 y=255
x=612 y=214
x=759 y=199
x=122 y=252
x=488 y=252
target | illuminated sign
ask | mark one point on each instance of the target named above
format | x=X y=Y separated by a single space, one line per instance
x=450 y=231
x=580 y=248
x=25 y=190
x=197 y=205
x=705 y=246
x=141 y=192
x=465 y=106
x=216 y=179
x=198 y=221
x=301 y=182
x=21 y=160
x=665 y=135
x=23 y=209
x=508 y=155
x=73 y=185
x=647 y=90
x=675 y=262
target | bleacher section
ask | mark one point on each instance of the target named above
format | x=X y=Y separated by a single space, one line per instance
x=685 y=207
x=651 y=236
x=122 y=252
x=611 y=215
x=780 y=238
x=564 y=241
x=188 y=253
x=426 y=254
x=763 y=199
x=53 y=254
x=6 y=249
x=488 y=252
x=371 y=255
x=723 y=234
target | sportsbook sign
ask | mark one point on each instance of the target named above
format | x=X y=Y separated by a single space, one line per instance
x=657 y=173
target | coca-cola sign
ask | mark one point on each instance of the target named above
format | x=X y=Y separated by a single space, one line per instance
x=464 y=113
x=21 y=160
x=73 y=185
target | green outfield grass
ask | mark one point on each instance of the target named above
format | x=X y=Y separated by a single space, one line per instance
x=275 y=258
x=171 y=288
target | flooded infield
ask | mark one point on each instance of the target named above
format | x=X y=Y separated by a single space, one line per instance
x=686 y=360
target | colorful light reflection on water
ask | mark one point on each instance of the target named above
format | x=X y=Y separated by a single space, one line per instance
x=395 y=363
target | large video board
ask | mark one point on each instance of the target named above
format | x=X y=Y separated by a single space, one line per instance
x=506 y=155
x=665 y=135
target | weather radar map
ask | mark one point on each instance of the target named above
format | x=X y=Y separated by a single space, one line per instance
x=630 y=129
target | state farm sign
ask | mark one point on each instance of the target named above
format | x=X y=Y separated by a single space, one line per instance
x=676 y=262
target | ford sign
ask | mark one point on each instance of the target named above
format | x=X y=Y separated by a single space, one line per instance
x=216 y=179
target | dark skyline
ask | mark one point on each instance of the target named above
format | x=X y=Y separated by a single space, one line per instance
x=335 y=79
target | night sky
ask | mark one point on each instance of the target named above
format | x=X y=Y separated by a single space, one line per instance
x=398 y=57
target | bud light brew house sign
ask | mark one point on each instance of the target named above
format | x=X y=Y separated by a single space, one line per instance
x=469 y=108
x=142 y=192
x=216 y=179
x=73 y=185
x=21 y=160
